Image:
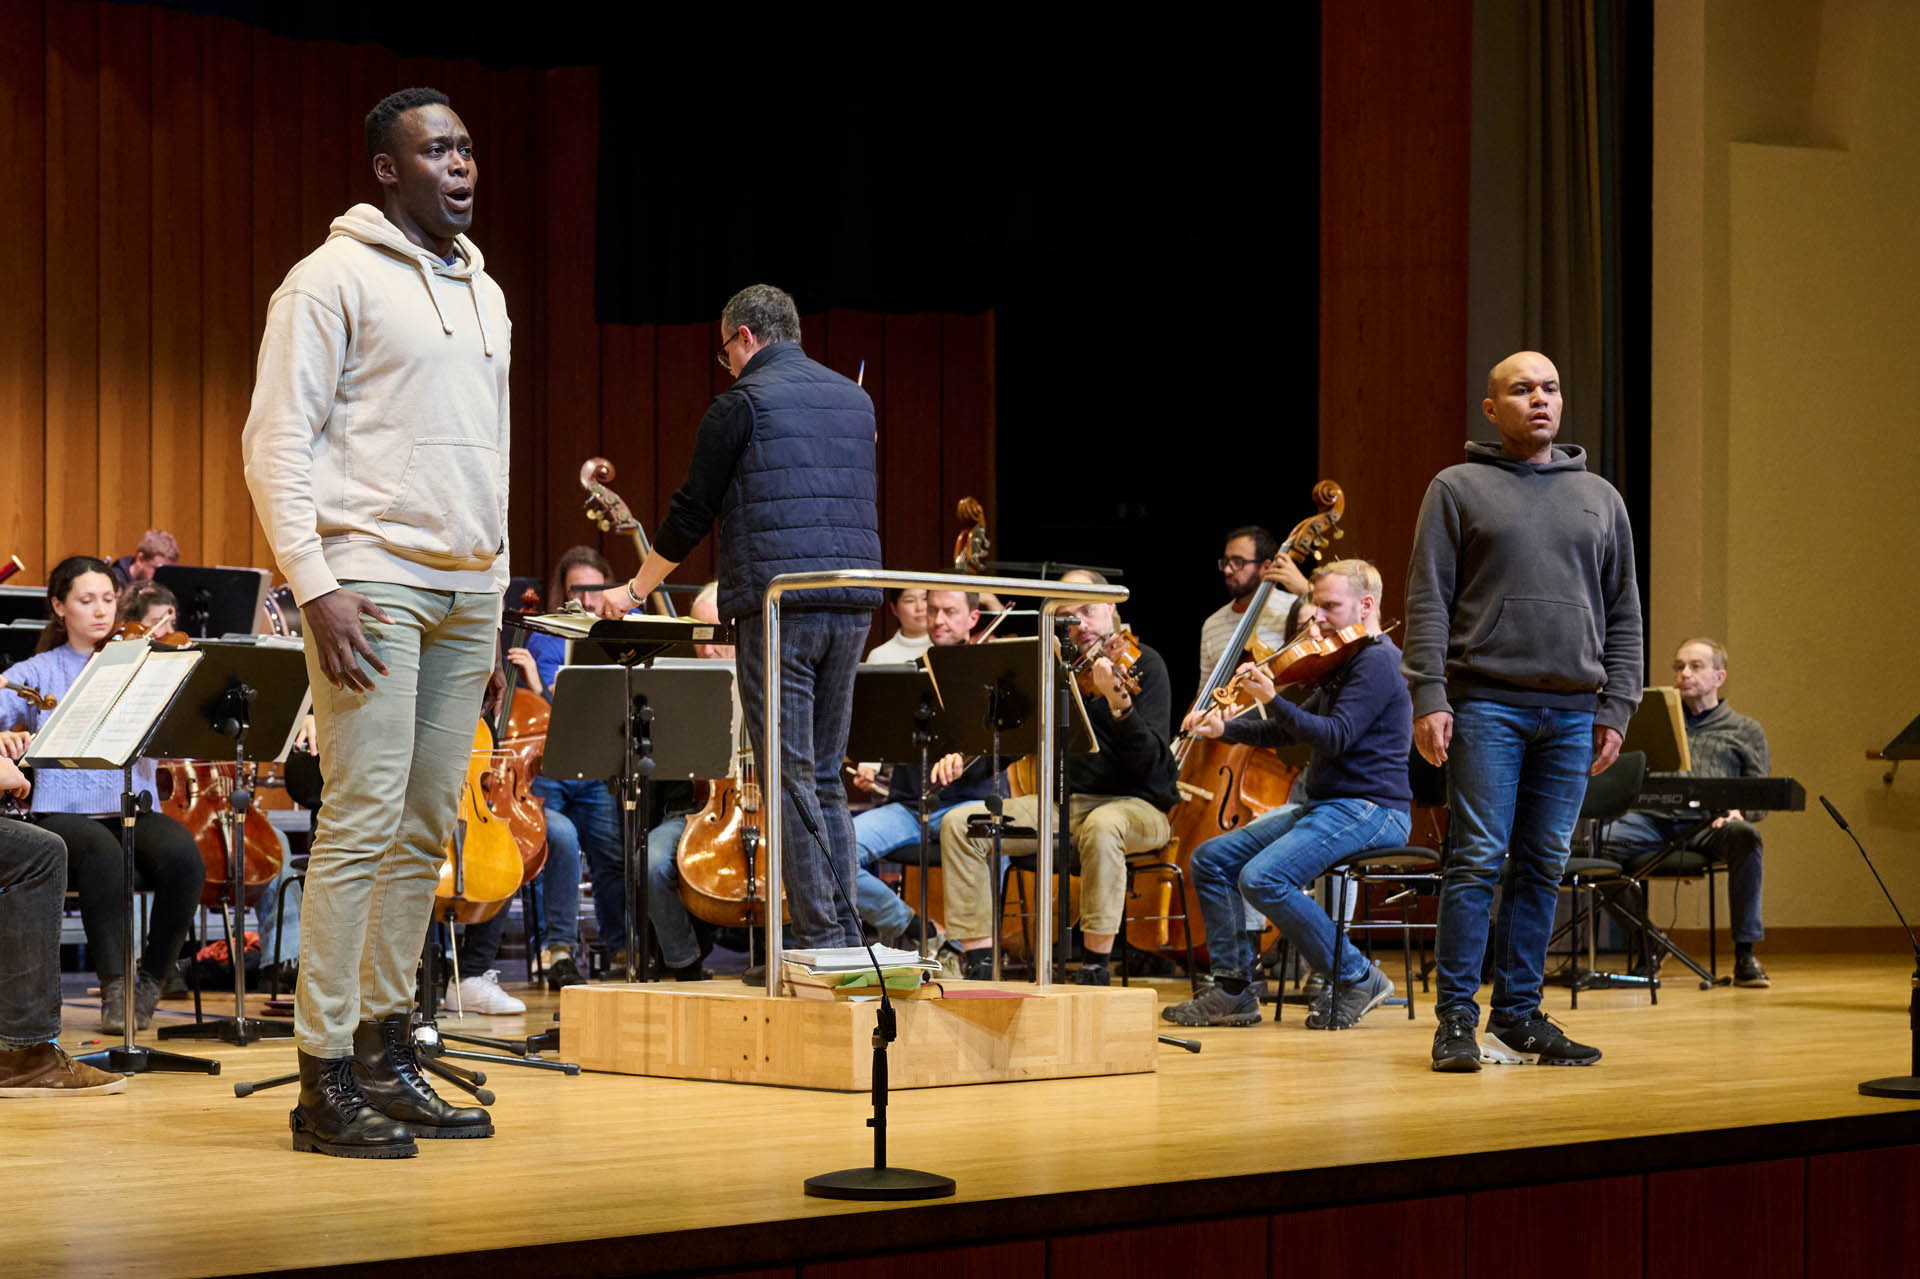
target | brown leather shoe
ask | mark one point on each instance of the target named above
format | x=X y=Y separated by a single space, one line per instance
x=45 y=1070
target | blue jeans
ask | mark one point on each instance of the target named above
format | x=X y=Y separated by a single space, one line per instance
x=586 y=807
x=1516 y=777
x=33 y=888
x=1269 y=864
x=559 y=884
x=672 y=925
x=270 y=910
x=820 y=653
x=1636 y=837
x=877 y=832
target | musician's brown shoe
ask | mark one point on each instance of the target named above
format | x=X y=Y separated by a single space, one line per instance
x=44 y=1070
x=335 y=1118
x=386 y=1065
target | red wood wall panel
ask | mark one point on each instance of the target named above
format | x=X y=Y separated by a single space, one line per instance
x=1393 y=262
x=1229 y=1249
x=1860 y=1212
x=168 y=169
x=1692 y=1235
x=1425 y=1237
x=1026 y=1260
x=23 y=352
x=1509 y=1231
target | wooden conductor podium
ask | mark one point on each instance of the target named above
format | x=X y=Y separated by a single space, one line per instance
x=723 y=1030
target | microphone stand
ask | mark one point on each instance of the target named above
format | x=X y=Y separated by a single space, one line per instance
x=877 y=1181
x=1907 y=1085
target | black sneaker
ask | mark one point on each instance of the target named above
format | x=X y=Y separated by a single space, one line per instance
x=1215 y=1007
x=563 y=972
x=1536 y=1041
x=1748 y=972
x=1093 y=973
x=1454 y=1048
x=976 y=965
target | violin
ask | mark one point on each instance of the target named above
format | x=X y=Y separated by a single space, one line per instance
x=1308 y=658
x=605 y=508
x=1122 y=648
x=31 y=696
x=134 y=630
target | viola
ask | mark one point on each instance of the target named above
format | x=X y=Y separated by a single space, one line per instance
x=31 y=696
x=1122 y=648
x=483 y=869
x=1308 y=658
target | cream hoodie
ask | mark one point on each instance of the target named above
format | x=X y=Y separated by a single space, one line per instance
x=377 y=444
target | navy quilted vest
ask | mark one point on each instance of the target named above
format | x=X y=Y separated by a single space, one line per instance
x=803 y=495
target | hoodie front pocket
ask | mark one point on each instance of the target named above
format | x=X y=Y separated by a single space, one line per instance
x=1537 y=643
x=448 y=504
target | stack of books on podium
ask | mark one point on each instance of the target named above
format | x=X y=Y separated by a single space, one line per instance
x=846 y=972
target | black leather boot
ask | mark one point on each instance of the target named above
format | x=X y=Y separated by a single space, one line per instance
x=388 y=1071
x=335 y=1118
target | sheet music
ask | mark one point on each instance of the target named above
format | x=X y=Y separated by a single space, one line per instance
x=146 y=695
x=69 y=730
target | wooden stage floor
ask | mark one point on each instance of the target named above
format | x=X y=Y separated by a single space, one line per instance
x=603 y=1174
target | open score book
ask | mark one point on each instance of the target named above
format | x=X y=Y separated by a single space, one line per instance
x=112 y=708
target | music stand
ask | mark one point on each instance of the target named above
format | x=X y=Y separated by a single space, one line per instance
x=215 y=601
x=18 y=640
x=1658 y=730
x=603 y=725
x=243 y=701
x=135 y=725
x=896 y=719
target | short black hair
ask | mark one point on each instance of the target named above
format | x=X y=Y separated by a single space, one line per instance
x=1265 y=546
x=389 y=109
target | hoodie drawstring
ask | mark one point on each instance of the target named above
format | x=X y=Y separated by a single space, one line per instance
x=473 y=289
x=426 y=278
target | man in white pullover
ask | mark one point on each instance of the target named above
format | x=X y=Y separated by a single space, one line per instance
x=376 y=451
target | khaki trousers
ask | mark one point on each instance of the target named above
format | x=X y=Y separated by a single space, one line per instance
x=393 y=759
x=1105 y=829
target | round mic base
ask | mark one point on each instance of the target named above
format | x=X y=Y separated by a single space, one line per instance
x=880 y=1183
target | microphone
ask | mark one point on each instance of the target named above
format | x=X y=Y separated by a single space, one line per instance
x=1841 y=822
x=1905 y=1086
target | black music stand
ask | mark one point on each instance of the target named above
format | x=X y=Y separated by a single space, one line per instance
x=896 y=719
x=128 y=1058
x=603 y=727
x=1905 y=746
x=243 y=700
x=215 y=601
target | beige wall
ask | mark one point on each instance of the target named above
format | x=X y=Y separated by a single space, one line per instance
x=1786 y=380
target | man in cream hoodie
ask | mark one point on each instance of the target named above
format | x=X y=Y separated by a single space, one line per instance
x=376 y=451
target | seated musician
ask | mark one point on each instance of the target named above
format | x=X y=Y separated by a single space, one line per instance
x=912 y=638
x=583 y=824
x=1359 y=722
x=1720 y=743
x=1120 y=798
x=82 y=807
x=896 y=823
x=157 y=549
x=150 y=605
x=33 y=882
x=1251 y=555
x=675 y=931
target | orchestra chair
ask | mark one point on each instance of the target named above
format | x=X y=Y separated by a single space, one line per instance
x=1410 y=870
x=1678 y=861
x=1160 y=861
x=1608 y=798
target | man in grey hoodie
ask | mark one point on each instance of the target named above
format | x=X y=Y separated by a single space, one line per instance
x=1524 y=655
x=376 y=451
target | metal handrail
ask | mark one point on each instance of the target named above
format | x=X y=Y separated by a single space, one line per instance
x=1051 y=595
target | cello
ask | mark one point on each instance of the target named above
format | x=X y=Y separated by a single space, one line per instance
x=1223 y=786
x=484 y=866
x=721 y=879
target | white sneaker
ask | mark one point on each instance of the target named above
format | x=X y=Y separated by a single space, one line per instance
x=482 y=994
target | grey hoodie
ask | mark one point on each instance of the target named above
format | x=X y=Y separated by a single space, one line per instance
x=1521 y=589
x=378 y=440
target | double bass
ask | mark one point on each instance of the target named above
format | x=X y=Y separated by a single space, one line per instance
x=721 y=876
x=1222 y=786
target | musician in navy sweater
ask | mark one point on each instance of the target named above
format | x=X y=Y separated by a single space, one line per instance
x=1359 y=723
